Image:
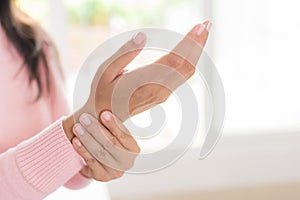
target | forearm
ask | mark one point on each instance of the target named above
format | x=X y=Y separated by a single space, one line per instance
x=38 y=166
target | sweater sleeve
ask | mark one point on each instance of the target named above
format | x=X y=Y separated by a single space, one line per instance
x=37 y=167
x=60 y=107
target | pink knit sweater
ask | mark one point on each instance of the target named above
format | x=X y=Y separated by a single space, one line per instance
x=36 y=158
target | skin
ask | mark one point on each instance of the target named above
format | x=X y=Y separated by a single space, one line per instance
x=105 y=163
x=113 y=148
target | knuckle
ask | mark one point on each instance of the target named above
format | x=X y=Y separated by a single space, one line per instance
x=122 y=136
x=81 y=149
x=110 y=143
x=104 y=178
x=90 y=161
x=121 y=173
x=189 y=66
x=163 y=95
x=100 y=155
x=113 y=141
x=161 y=99
x=128 y=164
x=174 y=60
x=118 y=174
x=159 y=94
x=137 y=149
x=154 y=97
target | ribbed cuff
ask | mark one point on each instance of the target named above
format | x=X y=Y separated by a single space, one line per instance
x=48 y=160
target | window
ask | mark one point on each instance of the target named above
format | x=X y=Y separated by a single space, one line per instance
x=256 y=52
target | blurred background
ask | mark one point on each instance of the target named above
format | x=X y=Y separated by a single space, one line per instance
x=254 y=45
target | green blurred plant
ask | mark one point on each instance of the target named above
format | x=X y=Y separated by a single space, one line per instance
x=100 y=12
x=96 y=12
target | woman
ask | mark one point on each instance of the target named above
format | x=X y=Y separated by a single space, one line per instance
x=30 y=84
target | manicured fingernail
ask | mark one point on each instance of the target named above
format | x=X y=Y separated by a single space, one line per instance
x=106 y=116
x=85 y=119
x=77 y=142
x=208 y=26
x=200 y=30
x=139 y=38
x=79 y=130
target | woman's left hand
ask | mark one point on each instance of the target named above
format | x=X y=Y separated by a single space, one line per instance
x=112 y=149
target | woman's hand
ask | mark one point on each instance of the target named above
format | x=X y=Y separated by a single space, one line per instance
x=182 y=60
x=171 y=71
x=110 y=143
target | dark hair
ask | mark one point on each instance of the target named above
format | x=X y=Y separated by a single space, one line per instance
x=26 y=37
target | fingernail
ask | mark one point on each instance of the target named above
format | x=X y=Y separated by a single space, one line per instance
x=84 y=118
x=79 y=130
x=77 y=142
x=106 y=116
x=200 y=30
x=208 y=26
x=139 y=38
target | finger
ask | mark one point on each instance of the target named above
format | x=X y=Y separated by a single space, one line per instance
x=108 y=175
x=113 y=173
x=95 y=149
x=98 y=131
x=123 y=154
x=194 y=42
x=186 y=54
x=119 y=131
x=201 y=39
x=94 y=167
x=196 y=39
x=87 y=172
x=123 y=57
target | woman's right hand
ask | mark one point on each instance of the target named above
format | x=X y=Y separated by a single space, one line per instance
x=179 y=66
x=138 y=90
x=111 y=148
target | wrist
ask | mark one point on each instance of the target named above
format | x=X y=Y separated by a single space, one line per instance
x=72 y=119
x=68 y=124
